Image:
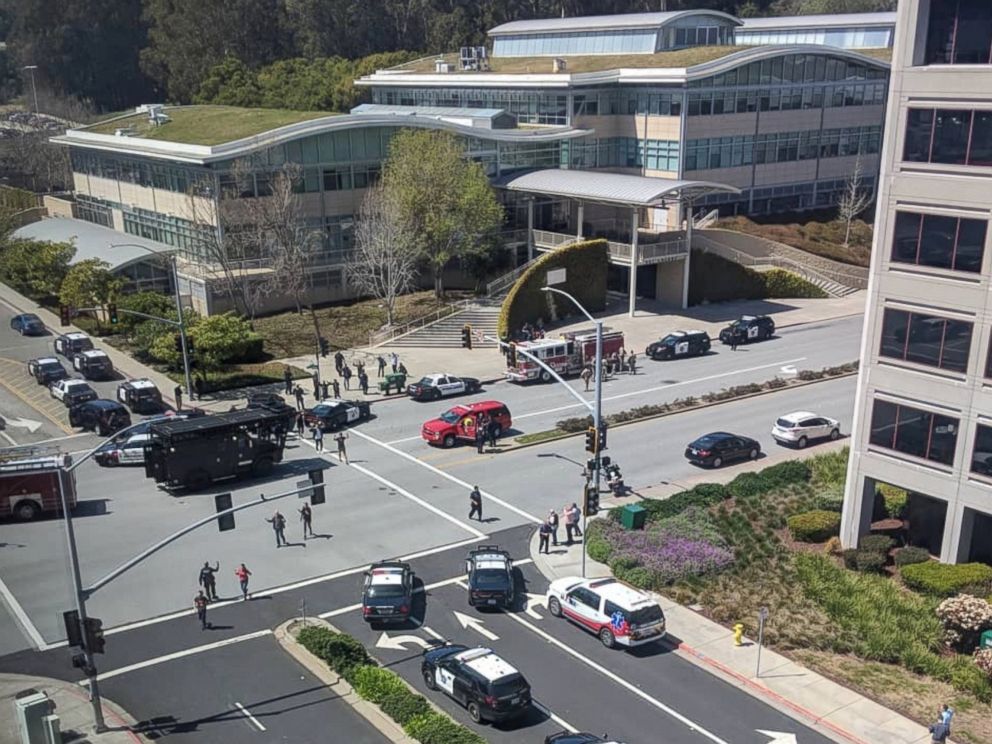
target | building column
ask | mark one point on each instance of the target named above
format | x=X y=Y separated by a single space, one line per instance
x=633 y=263
x=530 y=228
x=581 y=218
x=687 y=206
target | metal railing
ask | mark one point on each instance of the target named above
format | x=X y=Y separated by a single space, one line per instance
x=377 y=338
x=707 y=219
x=500 y=283
x=647 y=252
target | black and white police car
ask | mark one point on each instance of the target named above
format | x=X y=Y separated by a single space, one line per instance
x=488 y=687
x=72 y=391
x=387 y=595
x=46 y=370
x=749 y=328
x=437 y=386
x=334 y=414
x=140 y=396
x=490 y=577
x=70 y=344
x=678 y=344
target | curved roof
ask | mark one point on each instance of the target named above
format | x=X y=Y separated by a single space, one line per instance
x=621 y=21
x=608 y=188
x=94 y=241
x=833 y=20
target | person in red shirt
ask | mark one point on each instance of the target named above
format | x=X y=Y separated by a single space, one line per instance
x=243 y=573
x=200 y=603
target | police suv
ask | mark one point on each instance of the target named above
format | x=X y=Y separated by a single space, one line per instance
x=93 y=364
x=72 y=391
x=140 y=396
x=490 y=577
x=387 y=596
x=679 y=344
x=749 y=328
x=46 y=370
x=488 y=687
x=70 y=344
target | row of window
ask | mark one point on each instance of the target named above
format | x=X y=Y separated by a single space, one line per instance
x=959 y=32
x=791 y=98
x=141 y=172
x=845 y=38
x=793 y=68
x=528 y=106
x=637 y=41
x=938 y=342
x=699 y=36
x=626 y=152
x=941 y=242
x=949 y=136
x=780 y=147
x=193 y=239
x=783 y=198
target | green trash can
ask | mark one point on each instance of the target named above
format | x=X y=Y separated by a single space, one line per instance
x=632 y=517
x=986 y=639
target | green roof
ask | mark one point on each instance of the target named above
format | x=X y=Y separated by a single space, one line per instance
x=207 y=125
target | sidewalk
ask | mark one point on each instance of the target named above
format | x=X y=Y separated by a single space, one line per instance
x=72 y=706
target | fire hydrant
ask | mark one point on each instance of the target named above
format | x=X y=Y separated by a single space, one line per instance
x=739 y=634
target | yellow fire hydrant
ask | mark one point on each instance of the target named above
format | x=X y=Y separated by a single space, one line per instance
x=739 y=634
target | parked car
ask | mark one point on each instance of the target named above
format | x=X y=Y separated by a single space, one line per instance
x=617 y=613
x=93 y=364
x=802 y=427
x=458 y=423
x=141 y=396
x=437 y=386
x=488 y=687
x=72 y=391
x=102 y=416
x=129 y=451
x=678 y=344
x=749 y=328
x=334 y=414
x=28 y=324
x=490 y=578
x=46 y=370
x=720 y=447
x=387 y=594
x=70 y=344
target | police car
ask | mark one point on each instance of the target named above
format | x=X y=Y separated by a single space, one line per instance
x=93 y=364
x=333 y=414
x=128 y=449
x=488 y=687
x=437 y=386
x=490 y=577
x=616 y=612
x=46 y=370
x=749 y=328
x=70 y=344
x=140 y=395
x=72 y=391
x=387 y=596
x=679 y=344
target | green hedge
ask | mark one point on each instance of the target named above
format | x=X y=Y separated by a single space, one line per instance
x=814 y=526
x=876 y=543
x=404 y=706
x=586 y=265
x=869 y=561
x=910 y=554
x=376 y=684
x=947 y=579
x=894 y=498
x=784 y=284
x=340 y=652
x=434 y=728
x=713 y=278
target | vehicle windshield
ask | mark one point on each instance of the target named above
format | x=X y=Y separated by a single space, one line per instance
x=386 y=590
x=49 y=365
x=705 y=441
x=507 y=686
x=669 y=339
x=646 y=615
x=451 y=417
x=785 y=424
x=491 y=578
x=323 y=409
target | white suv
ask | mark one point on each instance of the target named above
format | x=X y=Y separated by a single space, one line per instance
x=802 y=427
x=616 y=612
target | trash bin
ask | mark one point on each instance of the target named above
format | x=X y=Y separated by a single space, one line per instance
x=632 y=517
x=986 y=639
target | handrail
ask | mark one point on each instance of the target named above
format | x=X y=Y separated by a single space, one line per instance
x=780 y=262
x=707 y=219
x=501 y=282
x=617 y=250
x=377 y=338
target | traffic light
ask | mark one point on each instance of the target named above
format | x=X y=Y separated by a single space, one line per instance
x=590 y=504
x=511 y=355
x=325 y=346
x=601 y=440
x=65 y=315
x=317 y=491
x=466 y=336
x=73 y=630
x=93 y=635
x=222 y=502
x=591 y=439
x=112 y=313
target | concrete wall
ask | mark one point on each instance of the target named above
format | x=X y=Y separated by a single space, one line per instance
x=668 y=282
x=58 y=206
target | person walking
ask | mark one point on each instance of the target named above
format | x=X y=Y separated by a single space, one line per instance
x=586 y=376
x=402 y=369
x=287 y=378
x=576 y=518
x=278 y=522
x=200 y=603
x=336 y=389
x=300 y=424
x=735 y=338
x=363 y=382
x=342 y=452
x=491 y=428
x=359 y=368
x=381 y=362
x=298 y=394
x=318 y=437
x=306 y=516
x=338 y=362
x=552 y=521
x=346 y=376
x=475 y=503
x=569 y=526
x=544 y=535
x=208 y=581
x=395 y=359
x=632 y=363
x=939 y=732
x=480 y=434
x=243 y=573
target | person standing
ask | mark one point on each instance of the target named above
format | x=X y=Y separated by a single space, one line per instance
x=381 y=361
x=298 y=394
x=287 y=378
x=208 y=581
x=336 y=388
x=576 y=518
x=346 y=376
x=359 y=368
x=552 y=521
x=569 y=526
x=243 y=573
x=491 y=428
x=342 y=452
x=278 y=522
x=306 y=516
x=939 y=732
x=632 y=363
x=323 y=389
x=586 y=376
x=946 y=714
x=300 y=424
x=475 y=503
x=395 y=359
x=200 y=603
x=316 y=386
x=544 y=535
x=338 y=362
x=363 y=382
x=735 y=338
x=318 y=437
x=480 y=434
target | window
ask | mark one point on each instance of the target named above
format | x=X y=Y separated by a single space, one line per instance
x=926 y=339
x=939 y=241
x=337 y=179
x=959 y=32
x=981 y=454
x=951 y=136
x=911 y=431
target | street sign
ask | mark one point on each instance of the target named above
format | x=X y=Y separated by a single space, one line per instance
x=555 y=276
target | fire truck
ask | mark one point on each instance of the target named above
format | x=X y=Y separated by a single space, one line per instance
x=29 y=482
x=566 y=355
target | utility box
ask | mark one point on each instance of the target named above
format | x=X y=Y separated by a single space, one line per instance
x=632 y=517
x=986 y=639
x=32 y=708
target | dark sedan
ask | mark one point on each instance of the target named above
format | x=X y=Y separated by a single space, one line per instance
x=717 y=448
x=387 y=596
x=28 y=324
x=334 y=414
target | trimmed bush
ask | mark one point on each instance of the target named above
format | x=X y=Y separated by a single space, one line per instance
x=876 y=543
x=895 y=499
x=404 y=706
x=946 y=579
x=983 y=660
x=640 y=577
x=869 y=561
x=814 y=526
x=911 y=554
x=375 y=684
x=433 y=728
x=780 y=284
x=830 y=502
x=340 y=652
x=704 y=495
x=599 y=550
x=964 y=618
x=622 y=563
x=713 y=278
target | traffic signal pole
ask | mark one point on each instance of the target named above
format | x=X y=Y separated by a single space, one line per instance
x=597 y=420
x=182 y=327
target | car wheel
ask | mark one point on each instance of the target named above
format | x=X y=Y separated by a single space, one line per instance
x=474 y=713
x=717 y=462
x=607 y=638
x=449 y=441
x=753 y=454
x=26 y=511
x=801 y=444
x=554 y=607
x=429 y=680
x=436 y=395
x=545 y=376
x=834 y=434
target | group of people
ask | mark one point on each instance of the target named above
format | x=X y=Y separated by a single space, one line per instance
x=530 y=332
x=486 y=429
x=613 y=364
x=941 y=728
x=332 y=388
x=208 y=591
x=548 y=531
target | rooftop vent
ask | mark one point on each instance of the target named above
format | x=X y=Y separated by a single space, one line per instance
x=441 y=66
x=558 y=64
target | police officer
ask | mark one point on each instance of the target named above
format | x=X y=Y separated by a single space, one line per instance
x=475 y=503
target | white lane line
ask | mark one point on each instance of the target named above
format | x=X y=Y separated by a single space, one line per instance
x=437 y=471
x=21 y=616
x=431 y=632
x=554 y=717
x=249 y=716
x=7 y=436
x=693 y=726
x=179 y=655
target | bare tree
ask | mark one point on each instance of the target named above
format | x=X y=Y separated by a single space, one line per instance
x=385 y=261
x=854 y=199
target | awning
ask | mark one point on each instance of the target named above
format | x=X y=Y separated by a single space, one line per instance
x=93 y=241
x=608 y=188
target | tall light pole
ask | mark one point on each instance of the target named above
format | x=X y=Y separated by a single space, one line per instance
x=597 y=411
x=171 y=256
x=34 y=89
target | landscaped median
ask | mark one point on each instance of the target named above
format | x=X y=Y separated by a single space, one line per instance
x=386 y=700
x=579 y=424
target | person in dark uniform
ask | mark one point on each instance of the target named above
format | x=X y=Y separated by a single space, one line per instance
x=336 y=388
x=177 y=393
x=208 y=581
x=480 y=434
x=338 y=362
x=475 y=503
x=491 y=427
x=200 y=603
x=323 y=389
x=306 y=516
x=544 y=532
x=363 y=382
x=287 y=377
x=300 y=424
x=346 y=376
x=381 y=361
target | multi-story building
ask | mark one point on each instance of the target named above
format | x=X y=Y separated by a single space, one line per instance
x=680 y=115
x=923 y=415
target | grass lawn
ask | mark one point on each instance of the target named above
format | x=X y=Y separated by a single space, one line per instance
x=344 y=326
x=209 y=125
x=819 y=238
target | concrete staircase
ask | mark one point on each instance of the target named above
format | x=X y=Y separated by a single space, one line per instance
x=447 y=332
x=832 y=288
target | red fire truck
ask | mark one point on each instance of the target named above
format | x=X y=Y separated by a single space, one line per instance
x=566 y=355
x=29 y=482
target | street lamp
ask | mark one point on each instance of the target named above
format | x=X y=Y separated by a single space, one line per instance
x=597 y=410
x=179 y=306
x=31 y=69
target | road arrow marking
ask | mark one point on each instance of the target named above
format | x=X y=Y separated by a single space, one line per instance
x=778 y=737
x=23 y=423
x=536 y=600
x=398 y=642
x=467 y=621
x=789 y=369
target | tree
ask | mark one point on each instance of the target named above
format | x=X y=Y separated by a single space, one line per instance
x=90 y=283
x=35 y=267
x=853 y=200
x=384 y=264
x=229 y=83
x=444 y=200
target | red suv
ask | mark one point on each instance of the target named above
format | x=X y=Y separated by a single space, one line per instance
x=459 y=422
